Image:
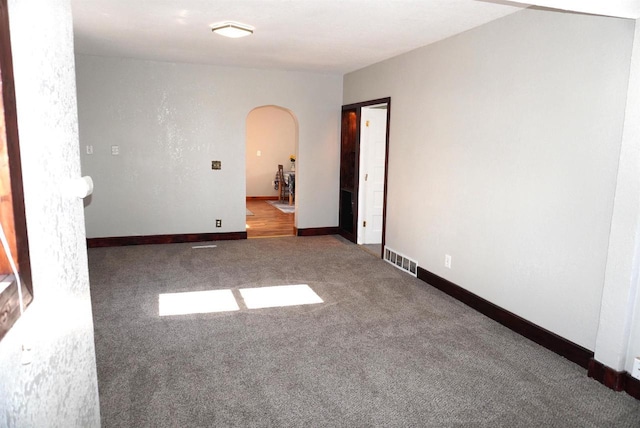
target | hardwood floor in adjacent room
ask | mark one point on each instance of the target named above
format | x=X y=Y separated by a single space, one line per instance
x=268 y=221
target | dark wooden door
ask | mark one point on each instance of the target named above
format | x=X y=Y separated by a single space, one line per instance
x=350 y=168
x=349 y=155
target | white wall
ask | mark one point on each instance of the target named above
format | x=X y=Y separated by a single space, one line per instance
x=59 y=388
x=504 y=145
x=171 y=120
x=618 y=340
x=273 y=132
x=633 y=345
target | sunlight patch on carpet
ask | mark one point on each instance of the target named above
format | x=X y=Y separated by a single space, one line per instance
x=196 y=302
x=279 y=295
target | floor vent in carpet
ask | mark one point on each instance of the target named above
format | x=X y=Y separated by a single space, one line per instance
x=401 y=261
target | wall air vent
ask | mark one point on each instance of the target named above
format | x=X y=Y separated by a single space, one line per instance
x=401 y=261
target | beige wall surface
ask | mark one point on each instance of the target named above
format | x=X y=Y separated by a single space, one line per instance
x=170 y=121
x=504 y=147
x=271 y=140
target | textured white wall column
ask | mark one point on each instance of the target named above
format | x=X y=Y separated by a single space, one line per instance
x=621 y=274
x=60 y=386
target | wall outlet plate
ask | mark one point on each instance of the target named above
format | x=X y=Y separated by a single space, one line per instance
x=447 y=261
x=218 y=223
x=635 y=372
x=216 y=164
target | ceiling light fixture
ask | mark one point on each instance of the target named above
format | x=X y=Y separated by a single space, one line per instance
x=232 y=29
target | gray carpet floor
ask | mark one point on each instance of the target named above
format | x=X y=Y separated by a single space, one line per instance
x=383 y=350
x=375 y=249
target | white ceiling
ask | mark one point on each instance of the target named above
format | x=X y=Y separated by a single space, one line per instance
x=335 y=36
x=618 y=8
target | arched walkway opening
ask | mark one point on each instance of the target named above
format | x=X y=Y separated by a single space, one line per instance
x=271 y=140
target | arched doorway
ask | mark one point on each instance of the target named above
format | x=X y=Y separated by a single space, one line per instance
x=271 y=140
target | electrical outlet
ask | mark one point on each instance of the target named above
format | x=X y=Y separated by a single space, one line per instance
x=27 y=356
x=216 y=164
x=218 y=223
x=89 y=150
x=635 y=372
x=447 y=261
